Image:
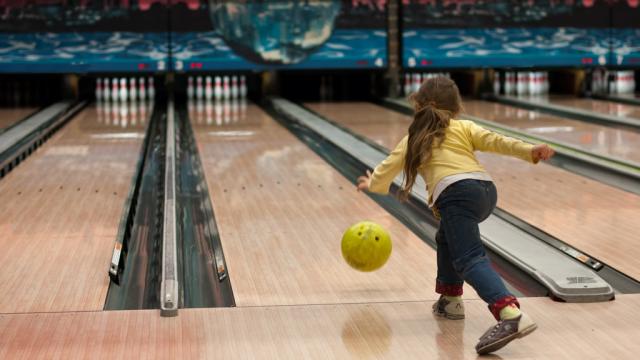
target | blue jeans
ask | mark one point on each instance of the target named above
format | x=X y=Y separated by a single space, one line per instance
x=461 y=255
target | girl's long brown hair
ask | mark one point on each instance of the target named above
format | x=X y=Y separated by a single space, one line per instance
x=435 y=104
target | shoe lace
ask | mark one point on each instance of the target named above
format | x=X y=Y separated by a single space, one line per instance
x=495 y=328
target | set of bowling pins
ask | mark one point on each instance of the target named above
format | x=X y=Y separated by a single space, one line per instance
x=217 y=87
x=123 y=89
x=613 y=82
x=521 y=83
x=218 y=112
x=412 y=81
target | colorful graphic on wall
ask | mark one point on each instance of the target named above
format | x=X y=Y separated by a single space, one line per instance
x=284 y=34
x=511 y=33
x=151 y=35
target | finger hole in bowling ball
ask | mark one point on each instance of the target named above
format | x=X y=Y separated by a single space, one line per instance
x=377 y=238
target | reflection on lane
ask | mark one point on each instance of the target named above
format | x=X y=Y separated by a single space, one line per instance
x=598 y=106
x=604 y=140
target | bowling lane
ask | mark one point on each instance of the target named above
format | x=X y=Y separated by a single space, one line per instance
x=405 y=330
x=598 y=106
x=281 y=211
x=615 y=142
x=596 y=218
x=60 y=212
x=10 y=116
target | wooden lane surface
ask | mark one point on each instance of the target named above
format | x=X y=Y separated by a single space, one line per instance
x=600 y=139
x=281 y=211
x=404 y=330
x=60 y=213
x=595 y=218
x=598 y=106
x=10 y=116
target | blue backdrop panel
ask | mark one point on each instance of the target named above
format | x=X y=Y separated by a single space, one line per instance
x=83 y=52
x=625 y=47
x=515 y=33
x=505 y=47
x=83 y=36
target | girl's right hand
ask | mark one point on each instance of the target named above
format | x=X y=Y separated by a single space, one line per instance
x=542 y=152
x=364 y=182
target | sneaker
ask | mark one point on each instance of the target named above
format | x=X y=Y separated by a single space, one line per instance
x=504 y=332
x=453 y=310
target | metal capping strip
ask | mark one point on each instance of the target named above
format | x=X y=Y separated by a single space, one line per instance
x=169 y=295
x=565 y=278
x=42 y=121
x=568 y=111
x=609 y=170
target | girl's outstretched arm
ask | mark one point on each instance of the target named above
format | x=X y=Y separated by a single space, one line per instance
x=383 y=175
x=489 y=141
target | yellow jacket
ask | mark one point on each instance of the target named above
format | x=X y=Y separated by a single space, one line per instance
x=454 y=156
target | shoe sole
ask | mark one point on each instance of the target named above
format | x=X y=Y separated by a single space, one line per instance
x=489 y=348
x=449 y=316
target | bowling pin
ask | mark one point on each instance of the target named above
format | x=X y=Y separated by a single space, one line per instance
x=124 y=94
x=509 y=83
x=217 y=88
x=199 y=88
x=208 y=90
x=152 y=88
x=99 y=89
x=142 y=91
x=209 y=110
x=124 y=114
x=243 y=86
x=496 y=83
x=407 y=84
x=218 y=110
x=234 y=87
x=115 y=113
x=133 y=89
x=115 y=89
x=531 y=84
x=226 y=109
x=226 y=91
x=134 y=113
x=199 y=108
x=522 y=85
x=417 y=81
x=190 y=87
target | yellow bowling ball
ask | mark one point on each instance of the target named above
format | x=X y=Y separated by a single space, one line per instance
x=366 y=246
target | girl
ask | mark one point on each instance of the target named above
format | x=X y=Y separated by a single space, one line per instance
x=462 y=194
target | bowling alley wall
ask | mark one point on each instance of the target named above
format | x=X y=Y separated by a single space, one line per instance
x=101 y=36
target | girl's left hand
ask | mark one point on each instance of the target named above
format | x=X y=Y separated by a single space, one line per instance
x=364 y=182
